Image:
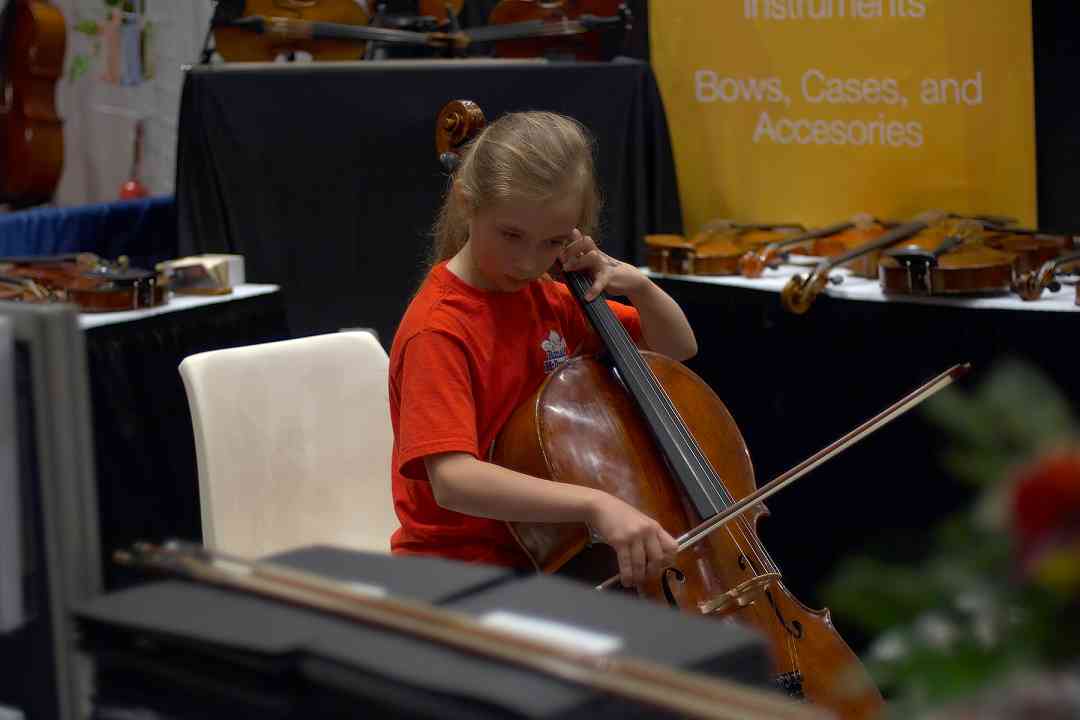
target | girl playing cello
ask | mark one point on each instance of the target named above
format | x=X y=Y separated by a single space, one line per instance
x=486 y=327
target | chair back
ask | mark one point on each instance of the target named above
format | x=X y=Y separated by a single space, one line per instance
x=293 y=442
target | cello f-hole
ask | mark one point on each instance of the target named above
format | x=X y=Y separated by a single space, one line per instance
x=794 y=628
x=665 y=580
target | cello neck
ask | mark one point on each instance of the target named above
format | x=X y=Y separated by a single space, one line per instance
x=540 y=28
x=308 y=30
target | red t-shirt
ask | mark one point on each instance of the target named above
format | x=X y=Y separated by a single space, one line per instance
x=462 y=361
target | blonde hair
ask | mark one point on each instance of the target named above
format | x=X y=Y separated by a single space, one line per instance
x=534 y=156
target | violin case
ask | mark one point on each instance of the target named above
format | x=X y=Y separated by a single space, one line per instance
x=174 y=649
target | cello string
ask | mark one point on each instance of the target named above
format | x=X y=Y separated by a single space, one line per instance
x=673 y=422
x=622 y=345
x=660 y=403
x=758 y=551
x=674 y=425
x=642 y=374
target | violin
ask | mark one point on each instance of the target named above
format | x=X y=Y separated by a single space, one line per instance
x=19 y=289
x=1030 y=285
x=715 y=250
x=828 y=241
x=84 y=279
x=961 y=263
x=553 y=28
x=648 y=430
x=327 y=29
x=34 y=37
x=800 y=291
x=1031 y=247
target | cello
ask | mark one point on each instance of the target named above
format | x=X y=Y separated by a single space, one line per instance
x=33 y=38
x=648 y=430
x=260 y=30
x=546 y=28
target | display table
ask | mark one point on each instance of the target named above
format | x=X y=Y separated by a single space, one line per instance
x=144 y=446
x=177 y=303
x=863 y=289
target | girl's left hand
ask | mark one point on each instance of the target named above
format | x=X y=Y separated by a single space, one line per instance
x=582 y=255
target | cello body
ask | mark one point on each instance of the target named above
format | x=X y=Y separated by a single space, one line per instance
x=31 y=132
x=582 y=427
x=585 y=46
x=237 y=44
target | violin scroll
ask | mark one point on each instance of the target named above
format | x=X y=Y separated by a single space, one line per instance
x=799 y=292
x=1030 y=285
x=754 y=262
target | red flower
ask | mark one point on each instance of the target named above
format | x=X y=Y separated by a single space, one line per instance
x=1046 y=506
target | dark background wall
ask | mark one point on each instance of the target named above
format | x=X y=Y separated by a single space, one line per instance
x=1057 y=113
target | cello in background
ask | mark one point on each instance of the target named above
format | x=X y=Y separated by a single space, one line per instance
x=261 y=30
x=555 y=28
x=34 y=38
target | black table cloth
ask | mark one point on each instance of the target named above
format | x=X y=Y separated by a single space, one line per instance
x=325 y=176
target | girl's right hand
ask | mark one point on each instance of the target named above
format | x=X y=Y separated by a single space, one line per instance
x=643 y=547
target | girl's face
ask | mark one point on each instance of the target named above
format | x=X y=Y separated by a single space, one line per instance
x=515 y=242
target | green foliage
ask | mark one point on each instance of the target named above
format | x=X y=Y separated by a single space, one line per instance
x=962 y=618
x=1014 y=413
x=80 y=65
x=88 y=27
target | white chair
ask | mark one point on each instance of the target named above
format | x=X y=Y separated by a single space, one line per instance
x=293 y=444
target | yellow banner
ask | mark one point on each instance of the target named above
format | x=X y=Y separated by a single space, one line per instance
x=813 y=110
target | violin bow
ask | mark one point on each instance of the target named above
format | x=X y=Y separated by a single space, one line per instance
x=671 y=689
x=703 y=530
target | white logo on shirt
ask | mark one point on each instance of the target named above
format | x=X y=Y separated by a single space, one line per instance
x=554 y=348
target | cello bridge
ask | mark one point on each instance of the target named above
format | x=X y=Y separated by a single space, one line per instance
x=740 y=596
